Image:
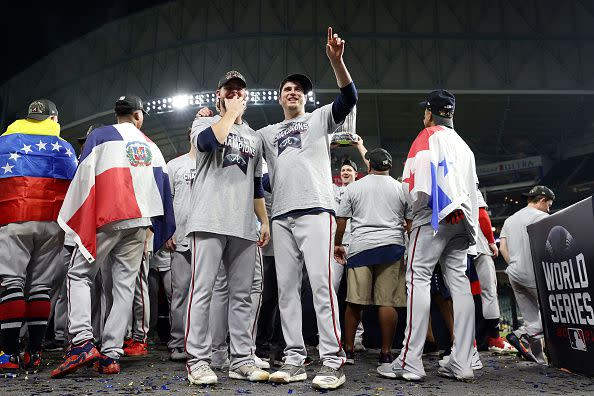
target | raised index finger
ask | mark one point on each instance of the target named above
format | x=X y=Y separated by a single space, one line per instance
x=329 y=34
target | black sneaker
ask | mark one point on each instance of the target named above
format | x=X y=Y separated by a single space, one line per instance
x=350 y=357
x=307 y=361
x=54 y=345
x=385 y=357
x=522 y=346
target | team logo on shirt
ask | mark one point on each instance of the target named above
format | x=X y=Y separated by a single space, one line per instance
x=238 y=151
x=290 y=136
x=139 y=154
x=189 y=176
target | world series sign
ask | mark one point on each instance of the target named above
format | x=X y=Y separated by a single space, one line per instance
x=563 y=255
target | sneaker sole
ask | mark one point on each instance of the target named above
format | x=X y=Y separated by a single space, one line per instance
x=234 y=375
x=350 y=361
x=406 y=376
x=206 y=381
x=453 y=376
x=335 y=385
x=501 y=351
x=283 y=380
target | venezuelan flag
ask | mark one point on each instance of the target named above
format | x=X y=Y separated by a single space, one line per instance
x=36 y=167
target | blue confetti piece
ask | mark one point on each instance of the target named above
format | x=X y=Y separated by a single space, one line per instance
x=165 y=387
x=290 y=391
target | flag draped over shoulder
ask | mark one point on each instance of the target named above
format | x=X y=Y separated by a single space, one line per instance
x=122 y=175
x=36 y=167
x=441 y=166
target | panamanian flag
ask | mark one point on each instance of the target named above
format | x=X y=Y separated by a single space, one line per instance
x=122 y=175
x=441 y=166
x=36 y=167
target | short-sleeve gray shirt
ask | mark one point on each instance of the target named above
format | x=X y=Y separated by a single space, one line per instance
x=182 y=171
x=374 y=222
x=222 y=199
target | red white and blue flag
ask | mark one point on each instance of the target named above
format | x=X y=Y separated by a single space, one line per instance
x=36 y=167
x=122 y=175
x=440 y=171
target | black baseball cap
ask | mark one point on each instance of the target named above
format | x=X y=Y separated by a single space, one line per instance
x=540 y=190
x=41 y=109
x=231 y=75
x=379 y=159
x=441 y=103
x=81 y=140
x=300 y=79
x=128 y=104
x=349 y=163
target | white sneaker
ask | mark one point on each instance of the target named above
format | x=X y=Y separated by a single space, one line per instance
x=249 y=372
x=177 y=355
x=391 y=370
x=202 y=374
x=261 y=363
x=288 y=373
x=475 y=363
x=328 y=378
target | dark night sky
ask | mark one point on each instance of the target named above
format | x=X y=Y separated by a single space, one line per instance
x=32 y=29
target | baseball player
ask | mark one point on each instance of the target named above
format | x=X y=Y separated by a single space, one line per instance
x=221 y=225
x=445 y=214
x=375 y=271
x=485 y=269
x=118 y=244
x=515 y=249
x=36 y=167
x=182 y=171
x=298 y=156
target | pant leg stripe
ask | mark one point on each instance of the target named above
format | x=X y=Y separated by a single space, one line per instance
x=412 y=284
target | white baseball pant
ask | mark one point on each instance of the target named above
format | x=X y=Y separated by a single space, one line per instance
x=485 y=269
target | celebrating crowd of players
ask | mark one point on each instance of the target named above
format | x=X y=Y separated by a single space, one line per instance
x=245 y=231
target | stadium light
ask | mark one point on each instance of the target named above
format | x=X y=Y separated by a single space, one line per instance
x=256 y=97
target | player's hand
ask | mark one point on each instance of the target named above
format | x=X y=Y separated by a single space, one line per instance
x=264 y=235
x=334 y=47
x=494 y=249
x=170 y=244
x=235 y=105
x=204 y=112
x=359 y=142
x=455 y=217
x=340 y=254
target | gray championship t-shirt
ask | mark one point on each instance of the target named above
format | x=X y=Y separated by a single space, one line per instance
x=222 y=200
x=374 y=222
x=520 y=267
x=182 y=171
x=298 y=157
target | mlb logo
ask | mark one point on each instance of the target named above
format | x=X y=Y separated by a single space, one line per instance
x=577 y=339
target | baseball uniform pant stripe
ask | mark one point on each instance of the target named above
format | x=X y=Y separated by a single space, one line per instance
x=331 y=288
x=412 y=257
x=190 y=292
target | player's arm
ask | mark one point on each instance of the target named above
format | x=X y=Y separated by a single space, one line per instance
x=362 y=150
x=260 y=211
x=487 y=230
x=503 y=249
x=210 y=138
x=339 y=250
x=348 y=97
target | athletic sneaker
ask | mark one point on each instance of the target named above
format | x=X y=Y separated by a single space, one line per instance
x=76 y=356
x=107 y=365
x=449 y=372
x=395 y=371
x=249 y=372
x=220 y=366
x=31 y=362
x=328 y=378
x=500 y=345
x=350 y=357
x=9 y=364
x=475 y=362
x=261 y=364
x=136 y=348
x=288 y=373
x=202 y=374
x=177 y=355
x=522 y=345
x=385 y=358
x=54 y=345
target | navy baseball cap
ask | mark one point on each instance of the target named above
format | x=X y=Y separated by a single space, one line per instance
x=441 y=103
x=540 y=190
x=231 y=75
x=300 y=79
x=379 y=159
x=41 y=109
x=128 y=104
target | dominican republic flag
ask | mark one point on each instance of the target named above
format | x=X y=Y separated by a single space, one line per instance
x=36 y=167
x=441 y=166
x=122 y=175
